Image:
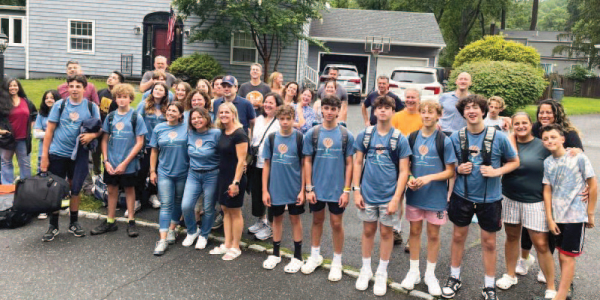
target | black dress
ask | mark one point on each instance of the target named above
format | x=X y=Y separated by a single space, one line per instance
x=227 y=165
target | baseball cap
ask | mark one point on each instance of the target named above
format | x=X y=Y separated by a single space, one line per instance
x=229 y=80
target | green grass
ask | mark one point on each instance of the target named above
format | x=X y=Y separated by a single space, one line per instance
x=573 y=106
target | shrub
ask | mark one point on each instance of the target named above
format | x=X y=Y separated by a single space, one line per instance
x=519 y=84
x=495 y=48
x=197 y=66
x=580 y=73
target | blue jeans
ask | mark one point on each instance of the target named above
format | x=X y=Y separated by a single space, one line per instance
x=8 y=170
x=196 y=184
x=170 y=193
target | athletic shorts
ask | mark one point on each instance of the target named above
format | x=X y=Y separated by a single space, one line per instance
x=415 y=214
x=570 y=240
x=374 y=213
x=334 y=207
x=123 y=180
x=531 y=215
x=461 y=211
x=75 y=170
x=293 y=210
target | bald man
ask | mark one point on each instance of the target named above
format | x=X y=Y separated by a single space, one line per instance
x=161 y=64
x=452 y=120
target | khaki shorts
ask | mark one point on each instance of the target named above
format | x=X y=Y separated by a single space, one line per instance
x=374 y=213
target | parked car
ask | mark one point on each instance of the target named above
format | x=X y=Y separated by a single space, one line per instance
x=349 y=78
x=423 y=79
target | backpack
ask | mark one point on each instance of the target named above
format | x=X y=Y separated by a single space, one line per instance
x=440 y=138
x=315 y=139
x=486 y=152
x=393 y=145
x=299 y=144
x=9 y=218
x=111 y=117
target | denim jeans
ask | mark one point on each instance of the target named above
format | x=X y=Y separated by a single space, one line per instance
x=170 y=193
x=197 y=184
x=8 y=170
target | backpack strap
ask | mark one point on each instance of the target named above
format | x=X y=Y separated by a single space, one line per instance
x=367 y=138
x=134 y=122
x=299 y=145
x=488 y=142
x=392 y=148
x=344 y=132
x=440 y=140
x=464 y=154
x=412 y=139
x=111 y=117
x=315 y=140
x=271 y=138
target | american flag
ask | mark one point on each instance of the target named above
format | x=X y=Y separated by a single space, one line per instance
x=172 y=23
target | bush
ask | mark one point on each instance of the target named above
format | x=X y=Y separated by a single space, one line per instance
x=495 y=48
x=580 y=73
x=519 y=84
x=197 y=66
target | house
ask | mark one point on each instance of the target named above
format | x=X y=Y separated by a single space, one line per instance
x=121 y=35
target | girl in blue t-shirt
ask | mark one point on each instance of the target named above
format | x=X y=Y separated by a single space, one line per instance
x=169 y=164
x=198 y=98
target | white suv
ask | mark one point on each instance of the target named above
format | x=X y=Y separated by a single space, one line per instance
x=422 y=79
x=348 y=77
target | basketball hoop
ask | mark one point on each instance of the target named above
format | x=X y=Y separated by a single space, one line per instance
x=375 y=52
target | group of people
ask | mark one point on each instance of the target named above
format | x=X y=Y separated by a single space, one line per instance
x=455 y=159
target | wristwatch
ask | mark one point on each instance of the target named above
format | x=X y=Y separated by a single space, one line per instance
x=356 y=188
x=236 y=182
x=309 y=188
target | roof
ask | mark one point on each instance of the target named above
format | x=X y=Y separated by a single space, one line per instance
x=548 y=36
x=354 y=25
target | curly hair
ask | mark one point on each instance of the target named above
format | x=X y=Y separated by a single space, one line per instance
x=149 y=106
x=560 y=117
x=475 y=99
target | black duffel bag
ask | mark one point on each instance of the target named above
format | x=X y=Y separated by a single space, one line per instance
x=42 y=193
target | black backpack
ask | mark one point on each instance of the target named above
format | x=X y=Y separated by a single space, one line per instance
x=486 y=152
x=299 y=144
x=315 y=139
x=391 y=148
x=134 y=116
x=9 y=218
x=440 y=138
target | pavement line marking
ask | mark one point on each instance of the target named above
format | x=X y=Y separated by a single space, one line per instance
x=348 y=270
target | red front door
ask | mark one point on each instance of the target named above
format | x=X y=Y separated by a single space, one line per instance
x=160 y=44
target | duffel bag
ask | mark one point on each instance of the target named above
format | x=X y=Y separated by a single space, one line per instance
x=9 y=218
x=42 y=193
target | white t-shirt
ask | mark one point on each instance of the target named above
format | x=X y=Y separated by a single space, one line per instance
x=498 y=122
x=260 y=126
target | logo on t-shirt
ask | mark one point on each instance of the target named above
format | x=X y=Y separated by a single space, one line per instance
x=105 y=105
x=283 y=149
x=74 y=116
x=119 y=126
x=474 y=156
x=255 y=97
x=328 y=143
x=172 y=135
x=198 y=143
x=379 y=151
x=423 y=150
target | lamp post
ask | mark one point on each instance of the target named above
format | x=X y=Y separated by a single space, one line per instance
x=3 y=46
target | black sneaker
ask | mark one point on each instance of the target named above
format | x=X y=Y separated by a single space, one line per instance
x=50 y=234
x=132 y=230
x=571 y=292
x=397 y=237
x=489 y=293
x=452 y=286
x=76 y=229
x=104 y=228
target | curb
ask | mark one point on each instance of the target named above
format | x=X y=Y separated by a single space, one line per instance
x=395 y=286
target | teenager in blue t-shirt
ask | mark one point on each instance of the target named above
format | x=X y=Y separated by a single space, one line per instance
x=426 y=198
x=120 y=146
x=41 y=122
x=483 y=195
x=283 y=185
x=378 y=189
x=169 y=164
x=332 y=176
x=62 y=132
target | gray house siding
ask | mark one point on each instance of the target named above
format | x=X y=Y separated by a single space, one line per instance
x=14 y=61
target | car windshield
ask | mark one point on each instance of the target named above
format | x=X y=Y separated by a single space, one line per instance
x=413 y=77
x=348 y=72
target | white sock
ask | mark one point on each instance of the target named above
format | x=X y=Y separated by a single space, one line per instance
x=489 y=281
x=366 y=263
x=430 y=271
x=337 y=259
x=382 y=268
x=414 y=266
x=455 y=272
x=315 y=251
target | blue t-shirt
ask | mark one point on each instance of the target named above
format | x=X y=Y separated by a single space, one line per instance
x=451 y=119
x=147 y=93
x=425 y=161
x=151 y=120
x=501 y=148
x=171 y=141
x=202 y=149
x=122 y=139
x=380 y=178
x=329 y=163
x=68 y=125
x=285 y=180
x=245 y=110
x=41 y=123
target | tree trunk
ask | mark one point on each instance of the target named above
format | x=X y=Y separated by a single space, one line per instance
x=534 y=14
x=503 y=19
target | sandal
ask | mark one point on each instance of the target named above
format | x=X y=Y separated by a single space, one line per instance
x=220 y=250
x=506 y=282
x=294 y=266
x=271 y=262
x=232 y=254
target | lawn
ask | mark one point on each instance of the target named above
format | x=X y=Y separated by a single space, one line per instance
x=573 y=106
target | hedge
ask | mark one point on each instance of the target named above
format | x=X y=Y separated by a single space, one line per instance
x=197 y=66
x=495 y=48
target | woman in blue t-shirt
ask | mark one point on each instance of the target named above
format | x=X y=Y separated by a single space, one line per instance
x=198 y=98
x=169 y=150
x=305 y=114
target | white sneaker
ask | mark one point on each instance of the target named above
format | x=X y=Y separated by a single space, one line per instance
x=411 y=279
x=161 y=247
x=190 y=238
x=137 y=207
x=523 y=265
x=42 y=216
x=541 y=278
x=171 y=236
x=311 y=264
x=154 y=201
x=506 y=282
x=256 y=227
x=380 y=286
x=271 y=262
x=335 y=273
x=362 y=282
x=201 y=243
x=550 y=294
x=433 y=286
x=265 y=233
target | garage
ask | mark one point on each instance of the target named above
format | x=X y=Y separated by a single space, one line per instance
x=387 y=64
x=361 y=61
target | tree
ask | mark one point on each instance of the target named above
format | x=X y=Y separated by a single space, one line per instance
x=13 y=2
x=585 y=31
x=534 y=14
x=273 y=24
x=495 y=48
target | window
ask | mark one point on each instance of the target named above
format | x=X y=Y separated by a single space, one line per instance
x=413 y=77
x=13 y=28
x=81 y=36
x=548 y=68
x=243 y=50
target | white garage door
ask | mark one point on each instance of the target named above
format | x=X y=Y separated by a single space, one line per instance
x=385 y=65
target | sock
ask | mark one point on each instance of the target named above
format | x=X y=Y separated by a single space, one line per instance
x=315 y=251
x=430 y=271
x=366 y=263
x=54 y=220
x=414 y=266
x=276 y=248
x=110 y=220
x=74 y=216
x=382 y=268
x=298 y=250
x=337 y=259
x=489 y=281
x=455 y=272
x=131 y=222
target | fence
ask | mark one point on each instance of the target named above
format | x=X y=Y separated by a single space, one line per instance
x=590 y=88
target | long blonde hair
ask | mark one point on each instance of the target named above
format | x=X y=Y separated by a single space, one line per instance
x=234 y=111
x=272 y=78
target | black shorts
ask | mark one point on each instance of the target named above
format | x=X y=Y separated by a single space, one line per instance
x=461 y=211
x=570 y=240
x=75 y=170
x=334 y=207
x=123 y=180
x=293 y=210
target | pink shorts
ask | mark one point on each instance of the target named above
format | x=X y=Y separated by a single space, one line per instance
x=414 y=214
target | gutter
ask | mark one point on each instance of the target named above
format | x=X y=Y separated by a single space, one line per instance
x=359 y=41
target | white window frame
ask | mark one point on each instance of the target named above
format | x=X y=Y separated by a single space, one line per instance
x=69 y=36
x=231 y=61
x=11 y=29
x=550 y=70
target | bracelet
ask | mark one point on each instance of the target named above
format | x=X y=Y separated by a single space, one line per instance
x=411 y=177
x=347 y=189
x=152 y=171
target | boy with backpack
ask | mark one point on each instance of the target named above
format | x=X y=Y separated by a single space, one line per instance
x=122 y=142
x=432 y=165
x=378 y=188
x=328 y=154
x=283 y=185
x=477 y=190
x=566 y=212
